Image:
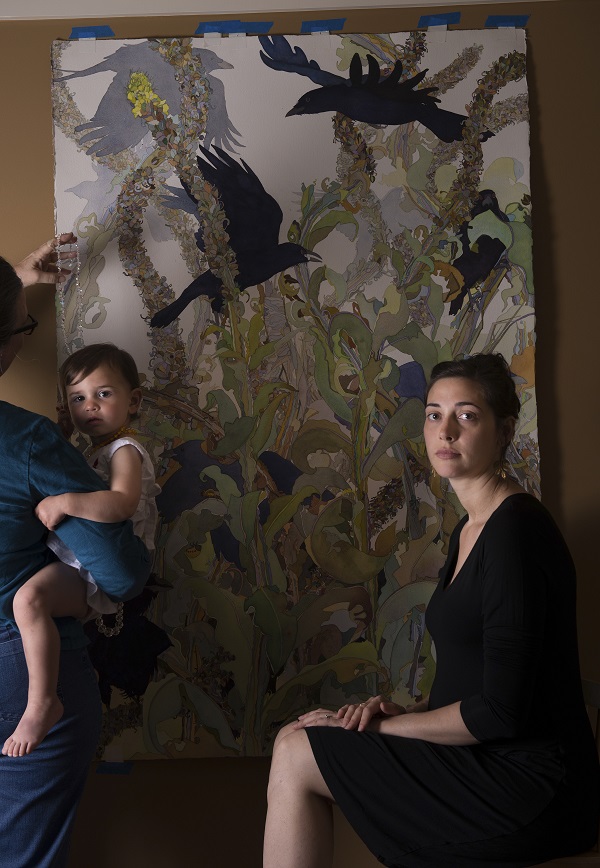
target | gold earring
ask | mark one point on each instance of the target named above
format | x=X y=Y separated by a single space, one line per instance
x=433 y=474
x=501 y=469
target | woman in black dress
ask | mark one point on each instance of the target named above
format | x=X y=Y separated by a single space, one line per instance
x=499 y=767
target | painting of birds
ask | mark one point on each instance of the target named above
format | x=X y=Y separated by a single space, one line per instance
x=253 y=223
x=114 y=127
x=372 y=98
x=475 y=261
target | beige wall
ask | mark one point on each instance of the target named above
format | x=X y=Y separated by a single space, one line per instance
x=169 y=813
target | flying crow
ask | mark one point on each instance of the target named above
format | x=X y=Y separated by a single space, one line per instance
x=253 y=224
x=476 y=260
x=371 y=98
x=114 y=127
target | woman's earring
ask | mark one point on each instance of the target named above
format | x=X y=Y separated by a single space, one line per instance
x=432 y=474
x=501 y=469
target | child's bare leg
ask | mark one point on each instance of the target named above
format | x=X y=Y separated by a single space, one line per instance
x=56 y=591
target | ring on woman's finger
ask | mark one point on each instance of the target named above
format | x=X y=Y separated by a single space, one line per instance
x=327 y=716
x=362 y=705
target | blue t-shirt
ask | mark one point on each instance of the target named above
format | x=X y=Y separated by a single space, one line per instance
x=37 y=462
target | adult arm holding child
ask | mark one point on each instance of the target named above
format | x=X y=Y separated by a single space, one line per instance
x=117 y=504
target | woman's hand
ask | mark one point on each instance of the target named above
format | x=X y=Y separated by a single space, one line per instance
x=360 y=716
x=356 y=716
x=318 y=717
x=43 y=265
x=51 y=511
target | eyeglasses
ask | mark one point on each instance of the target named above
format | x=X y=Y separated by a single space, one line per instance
x=27 y=329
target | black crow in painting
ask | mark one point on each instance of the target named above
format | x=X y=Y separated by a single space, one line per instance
x=253 y=224
x=128 y=661
x=371 y=98
x=477 y=260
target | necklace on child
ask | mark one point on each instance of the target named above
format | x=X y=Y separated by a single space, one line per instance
x=123 y=431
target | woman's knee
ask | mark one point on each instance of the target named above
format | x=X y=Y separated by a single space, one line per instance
x=289 y=757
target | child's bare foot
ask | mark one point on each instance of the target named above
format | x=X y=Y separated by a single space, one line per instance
x=33 y=727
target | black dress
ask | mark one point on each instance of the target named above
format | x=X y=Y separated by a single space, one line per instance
x=506 y=643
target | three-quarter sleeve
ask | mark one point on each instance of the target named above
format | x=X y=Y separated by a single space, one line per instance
x=514 y=590
x=117 y=559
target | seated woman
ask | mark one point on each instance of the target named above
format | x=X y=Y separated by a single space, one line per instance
x=499 y=768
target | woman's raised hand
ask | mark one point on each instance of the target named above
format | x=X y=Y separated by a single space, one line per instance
x=43 y=264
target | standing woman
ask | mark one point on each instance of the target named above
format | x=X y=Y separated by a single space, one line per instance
x=39 y=792
x=499 y=767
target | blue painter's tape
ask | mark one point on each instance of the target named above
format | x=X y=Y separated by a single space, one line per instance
x=254 y=27
x=98 y=31
x=108 y=768
x=507 y=20
x=322 y=24
x=231 y=26
x=440 y=18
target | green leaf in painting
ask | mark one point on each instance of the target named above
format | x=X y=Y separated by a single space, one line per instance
x=322 y=377
x=487 y=223
x=318 y=435
x=225 y=484
x=354 y=660
x=272 y=619
x=262 y=352
x=405 y=424
x=236 y=434
x=413 y=342
x=249 y=508
x=327 y=224
x=313 y=612
x=228 y=411
x=283 y=509
x=357 y=330
x=392 y=316
x=165 y=699
x=265 y=433
x=335 y=555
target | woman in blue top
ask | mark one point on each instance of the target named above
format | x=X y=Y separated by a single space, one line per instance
x=39 y=792
x=498 y=768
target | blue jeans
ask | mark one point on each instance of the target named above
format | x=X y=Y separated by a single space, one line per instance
x=39 y=793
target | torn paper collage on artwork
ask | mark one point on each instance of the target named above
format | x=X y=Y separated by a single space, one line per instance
x=287 y=233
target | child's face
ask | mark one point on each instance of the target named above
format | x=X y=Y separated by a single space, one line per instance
x=102 y=403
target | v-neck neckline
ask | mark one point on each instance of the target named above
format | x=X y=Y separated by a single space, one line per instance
x=448 y=584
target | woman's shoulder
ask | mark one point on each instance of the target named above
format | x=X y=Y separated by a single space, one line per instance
x=518 y=508
x=24 y=424
x=520 y=521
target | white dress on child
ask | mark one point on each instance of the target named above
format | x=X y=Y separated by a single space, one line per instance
x=144 y=519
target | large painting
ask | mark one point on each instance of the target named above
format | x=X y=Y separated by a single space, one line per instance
x=287 y=233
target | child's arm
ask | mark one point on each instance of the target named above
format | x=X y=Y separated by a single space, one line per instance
x=105 y=506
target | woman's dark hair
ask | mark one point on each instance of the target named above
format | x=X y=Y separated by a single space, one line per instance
x=491 y=372
x=10 y=287
x=83 y=362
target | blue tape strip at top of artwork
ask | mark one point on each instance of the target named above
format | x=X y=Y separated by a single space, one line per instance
x=507 y=20
x=322 y=24
x=97 y=31
x=441 y=18
x=237 y=26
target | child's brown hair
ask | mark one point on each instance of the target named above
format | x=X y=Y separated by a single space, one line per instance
x=83 y=362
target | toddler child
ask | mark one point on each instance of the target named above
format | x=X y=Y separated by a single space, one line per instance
x=100 y=385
